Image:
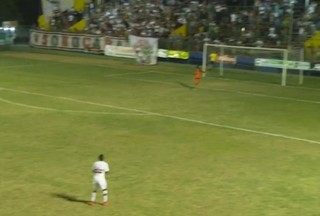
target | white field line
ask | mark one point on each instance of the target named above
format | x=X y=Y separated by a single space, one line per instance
x=252 y=82
x=162 y=72
x=150 y=81
x=66 y=111
x=28 y=65
x=212 y=89
x=229 y=91
x=74 y=100
x=14 y=66
x=173 y=117
x=123 y=74
x=269 y=84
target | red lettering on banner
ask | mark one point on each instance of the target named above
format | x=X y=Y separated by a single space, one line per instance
x=44 y=40
x=65 y=41
x=107 y=41
x=86 y=43
x=78 y=42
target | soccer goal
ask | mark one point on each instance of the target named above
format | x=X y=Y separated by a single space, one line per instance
x=252 y=63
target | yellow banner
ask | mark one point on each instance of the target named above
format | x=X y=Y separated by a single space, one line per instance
x=79 y=5
x=79 y=26
x=42 y=23
x=312 y=48
x=181 y=31
x=178 y=54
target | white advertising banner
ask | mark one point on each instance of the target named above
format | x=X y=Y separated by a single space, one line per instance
x=119 y=51
x=276 y=63
x=146 y=49
x=74 y=42
x=162 y=53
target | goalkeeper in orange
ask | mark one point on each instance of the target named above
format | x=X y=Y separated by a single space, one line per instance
x=197 y=76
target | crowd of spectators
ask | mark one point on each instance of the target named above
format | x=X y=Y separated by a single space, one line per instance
x=62 y=20
x=272 y=23
x=137 y=17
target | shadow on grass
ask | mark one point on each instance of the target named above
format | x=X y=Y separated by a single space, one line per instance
x=69 y=198
x=186 y=85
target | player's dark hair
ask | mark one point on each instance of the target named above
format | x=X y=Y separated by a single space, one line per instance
x=101 y=157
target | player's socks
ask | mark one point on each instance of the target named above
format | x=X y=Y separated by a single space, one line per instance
x=105 y=195
x=93 y=196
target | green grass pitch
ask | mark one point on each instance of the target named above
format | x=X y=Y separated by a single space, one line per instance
x=235 y=146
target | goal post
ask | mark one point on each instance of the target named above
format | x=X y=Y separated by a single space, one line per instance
x=261 y=58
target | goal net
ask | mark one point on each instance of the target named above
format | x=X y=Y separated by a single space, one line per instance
x=268 y=65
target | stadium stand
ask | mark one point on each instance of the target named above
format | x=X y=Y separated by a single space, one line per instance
x=187 y=24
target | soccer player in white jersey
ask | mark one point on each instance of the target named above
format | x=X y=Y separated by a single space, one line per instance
x=100 y=168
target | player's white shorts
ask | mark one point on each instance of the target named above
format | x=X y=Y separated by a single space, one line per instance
x=99 y=182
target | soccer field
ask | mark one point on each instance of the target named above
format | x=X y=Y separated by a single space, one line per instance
x=235 y=146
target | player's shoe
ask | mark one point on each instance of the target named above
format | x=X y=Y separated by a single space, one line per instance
x=91 y=203
x=105 y=203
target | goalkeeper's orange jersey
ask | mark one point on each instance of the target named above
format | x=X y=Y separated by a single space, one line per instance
x=198 y=73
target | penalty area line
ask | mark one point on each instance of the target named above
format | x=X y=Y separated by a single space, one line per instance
x=29 y=65
x=174 y=117
x=16 y=66
x=75 y=100
x=242 y=129
x=65 y=111
x=123 y=74
x=229 y=91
